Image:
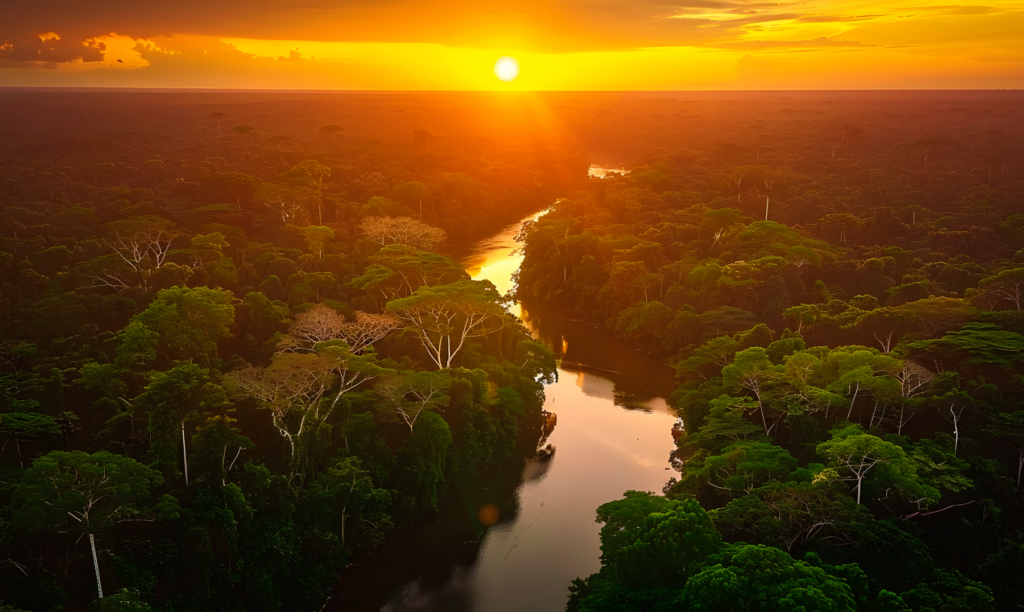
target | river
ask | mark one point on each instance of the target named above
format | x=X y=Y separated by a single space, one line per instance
x=613 y=435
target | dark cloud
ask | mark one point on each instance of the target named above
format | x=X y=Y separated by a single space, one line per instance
x=49 y=48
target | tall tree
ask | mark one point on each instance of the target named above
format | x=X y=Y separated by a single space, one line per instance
x=405 y=231
x=407 y=395
x=444 y=317
x=854 y=456
x=301 y=391
x=180 y=324
x=81 y=493
x=29 y=427
x=184 y=393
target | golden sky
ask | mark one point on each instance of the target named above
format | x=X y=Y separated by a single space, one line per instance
x=560 y=44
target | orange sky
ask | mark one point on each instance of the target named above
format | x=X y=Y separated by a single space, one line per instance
x=560 y=44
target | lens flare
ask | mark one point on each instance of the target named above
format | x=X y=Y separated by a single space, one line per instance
x=488 y=515
x=506 y=69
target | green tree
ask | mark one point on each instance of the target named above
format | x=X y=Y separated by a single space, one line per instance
x=343 y=495
x=301 y=390
x=209 y=248
x=743 y=466
x=140 y=248
x=317 y=238
x=424 y=462
x=412 y=195
x=976 y=343
x=180 y=324
x=854 y=456
x=1006 y=286
x=125 y=600
x=1009 y=427
x=186 y=392
x=419 y=268
x=82 y=493
x=671 y=539
x=791 y=515
x=751 y=371
x=214 y=442
x=444 y=317
x=28 y=427
x=234 y=187
x=643 y=324
x=752 y=577
x=407 y=395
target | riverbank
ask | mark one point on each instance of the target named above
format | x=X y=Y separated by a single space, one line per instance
x=613 y=434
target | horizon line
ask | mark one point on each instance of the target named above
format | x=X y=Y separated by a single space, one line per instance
x=55 y=88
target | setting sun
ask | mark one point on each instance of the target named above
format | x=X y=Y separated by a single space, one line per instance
x=506 y=69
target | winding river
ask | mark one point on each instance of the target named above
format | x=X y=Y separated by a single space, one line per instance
x=613 y=434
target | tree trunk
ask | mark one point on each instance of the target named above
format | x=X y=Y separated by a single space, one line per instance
x=344 y=509
x=1020 y=464
x=239 y=452
x=760 y=407
x=96 y=565
x=956 y=430
x=184 y=452
x=850 y=411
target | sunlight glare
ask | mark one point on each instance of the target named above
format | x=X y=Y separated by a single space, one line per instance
x=506 y=69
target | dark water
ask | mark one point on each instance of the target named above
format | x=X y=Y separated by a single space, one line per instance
x=613 y=434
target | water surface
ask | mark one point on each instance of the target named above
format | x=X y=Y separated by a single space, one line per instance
x=613 y=434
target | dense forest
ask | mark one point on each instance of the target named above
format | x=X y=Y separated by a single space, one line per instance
x=238 y=351
x=843 y=308
x=235 y=359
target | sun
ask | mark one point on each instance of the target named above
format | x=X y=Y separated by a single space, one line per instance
x=506 y=69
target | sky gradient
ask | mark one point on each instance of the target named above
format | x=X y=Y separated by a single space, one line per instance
x=560 y=44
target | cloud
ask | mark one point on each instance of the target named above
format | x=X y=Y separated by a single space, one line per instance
x=837 y=18
x=552 y=26
x=442 y=43
x=49 y=47
x=817 y=43
x=293 y=56
x=957 y=9
x=538 y=25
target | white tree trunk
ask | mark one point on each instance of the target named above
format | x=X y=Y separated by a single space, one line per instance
x=184 y=451
x=956 y=431
x=1020 y=464
x=96 y=565
x=855 y=392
